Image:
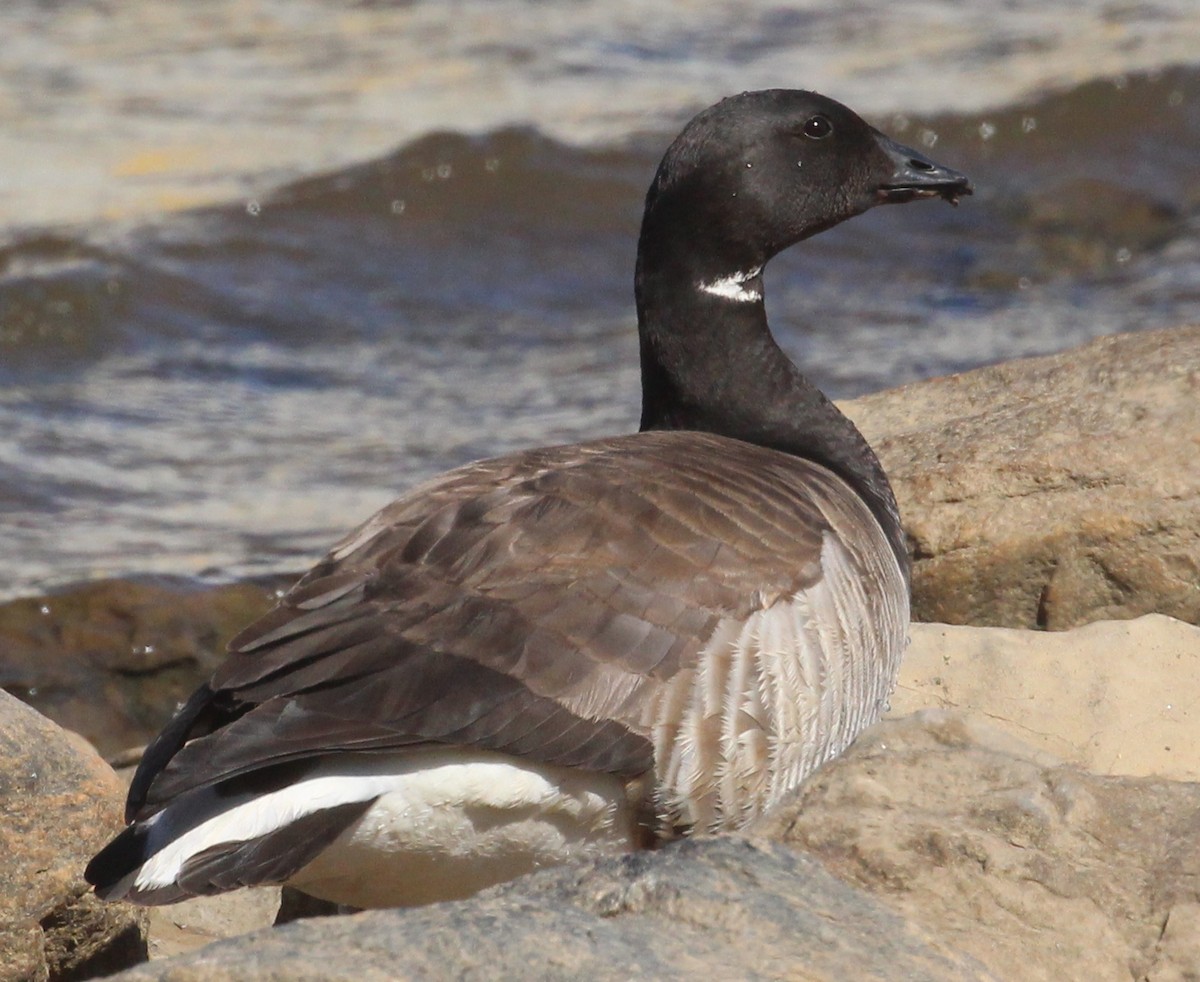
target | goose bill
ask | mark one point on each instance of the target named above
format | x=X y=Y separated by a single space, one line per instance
x=898 y=194
x=917 y=176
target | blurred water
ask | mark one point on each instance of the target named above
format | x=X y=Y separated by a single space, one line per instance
x=111 y=109
x=224 y=390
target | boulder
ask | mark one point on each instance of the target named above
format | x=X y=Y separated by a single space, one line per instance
x=1039 y=870
x=1113 y=697
x=1051 y=492
x=723 y=908
x=61 y=804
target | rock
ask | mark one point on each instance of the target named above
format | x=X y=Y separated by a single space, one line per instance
x=718 y=908
x=61 y=804
x=178 y=928
x=1083 y=226
x=1039 y=870
x=1049 y=493
x=111 y=659
x=1054 y=491
x=1112 y=697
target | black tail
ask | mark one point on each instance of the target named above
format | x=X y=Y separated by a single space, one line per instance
x=118 y=860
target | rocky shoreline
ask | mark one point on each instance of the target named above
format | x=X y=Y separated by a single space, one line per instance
x=1029 y=810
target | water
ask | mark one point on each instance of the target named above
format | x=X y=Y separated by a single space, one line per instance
x=278 y=261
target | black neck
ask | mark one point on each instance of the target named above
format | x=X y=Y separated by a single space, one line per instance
x=709 y=363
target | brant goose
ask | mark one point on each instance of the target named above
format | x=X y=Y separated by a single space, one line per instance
x=582 y=649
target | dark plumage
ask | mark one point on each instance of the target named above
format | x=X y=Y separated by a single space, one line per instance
x=637 y=635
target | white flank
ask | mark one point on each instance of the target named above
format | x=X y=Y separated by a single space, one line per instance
x=733 y=287
x=437 y=804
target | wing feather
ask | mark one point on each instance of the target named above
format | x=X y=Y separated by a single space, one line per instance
x=596 y=606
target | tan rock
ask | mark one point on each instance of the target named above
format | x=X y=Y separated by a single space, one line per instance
x=178 y=928
x=1039 y=870
x=1050 y=492
x=1115 y=697
x=61 y=803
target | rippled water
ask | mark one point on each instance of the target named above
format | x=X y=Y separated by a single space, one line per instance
x=226 y=389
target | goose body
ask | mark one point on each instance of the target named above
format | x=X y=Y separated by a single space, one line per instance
x=575 y=650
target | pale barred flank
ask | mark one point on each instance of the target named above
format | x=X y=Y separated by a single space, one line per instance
x=776 y=695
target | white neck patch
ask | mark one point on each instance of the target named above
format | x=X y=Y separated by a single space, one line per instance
x=733 y=287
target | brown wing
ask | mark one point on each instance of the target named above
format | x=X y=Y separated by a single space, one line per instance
x=530 y=604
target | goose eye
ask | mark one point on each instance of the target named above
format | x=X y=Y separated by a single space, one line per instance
x=818 y=127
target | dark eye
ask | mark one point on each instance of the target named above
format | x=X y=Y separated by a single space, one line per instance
x=818 y=127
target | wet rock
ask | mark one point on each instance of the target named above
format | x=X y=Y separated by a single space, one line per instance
x=1039 y=870
x=1111 y=697
x=61 y=804
x=1087 y=226
x=717 y=908
x=1050 y=492
x=110 y=659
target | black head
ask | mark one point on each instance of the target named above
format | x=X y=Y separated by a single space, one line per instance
x=762 y=170
x=744 y=180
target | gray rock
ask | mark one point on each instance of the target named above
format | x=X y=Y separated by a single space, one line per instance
x=718 y=908
x=1051 y=492
x=61 y=804
x=1038 y=869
